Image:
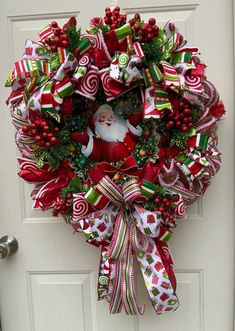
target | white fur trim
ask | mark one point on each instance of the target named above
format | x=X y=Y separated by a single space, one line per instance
x=136 y=131
x=87 y=150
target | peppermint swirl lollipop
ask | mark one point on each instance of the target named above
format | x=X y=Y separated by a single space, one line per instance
x=80 y=207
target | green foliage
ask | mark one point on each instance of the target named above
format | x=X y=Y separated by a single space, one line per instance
x=152 y=53
x=54 y=60
x=40 y=160
x=160 y=193
x=153 y=50
x=196 y=114
x=127 y=104
x=56 y=153
x=53 y=157
x=43 y=156
x=148 y=144
x=80 y=163
x=161 y=127
x=150 y=205
x=64 y=136
x=179 y=138
x=74 y=36
x=74 y=186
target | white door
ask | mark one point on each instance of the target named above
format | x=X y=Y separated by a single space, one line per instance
x=50 y=284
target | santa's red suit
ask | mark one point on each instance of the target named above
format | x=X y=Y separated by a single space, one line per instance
x=99 y=150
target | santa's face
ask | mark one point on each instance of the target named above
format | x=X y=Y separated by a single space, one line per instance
x=106 y=118
x=110 y=127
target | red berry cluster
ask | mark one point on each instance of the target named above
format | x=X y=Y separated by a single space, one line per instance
x=182 y=119
x=63 y=205
x=166 y=206
x=60 y=40
x=113 y=18
x=43 y=134
x=145 y=32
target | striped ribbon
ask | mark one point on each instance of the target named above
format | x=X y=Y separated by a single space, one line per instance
x=152 y=75
x=30 y=68
x=170 y=75
x=188 y=196
x=35 y=83
x=175 y=41
x=162 y=98
x=181 y=57
x=47 y=32
x=84 y=45
x=138 y=50
x=130 y=47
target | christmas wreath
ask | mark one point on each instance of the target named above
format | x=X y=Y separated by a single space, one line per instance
x=116 y=129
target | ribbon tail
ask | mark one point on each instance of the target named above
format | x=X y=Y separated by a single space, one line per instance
x=128 y=284
x=104 y=274
x=123 y=291
x=116 y=250
x=120 y=250
x=118 y=244
x=157 y=281
x=115 y=305
x=167 y=260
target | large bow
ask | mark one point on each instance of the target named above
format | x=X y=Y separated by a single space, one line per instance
x=134 y=232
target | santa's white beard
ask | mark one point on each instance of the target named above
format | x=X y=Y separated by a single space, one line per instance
x=116 y=131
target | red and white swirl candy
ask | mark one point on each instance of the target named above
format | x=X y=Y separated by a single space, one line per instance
x=193 y=82
x=89 y=84
x=180 y=209
x=84 y=61
x=105 y=78
x=80 y=208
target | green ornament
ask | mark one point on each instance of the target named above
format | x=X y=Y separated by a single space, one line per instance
x=83 y=162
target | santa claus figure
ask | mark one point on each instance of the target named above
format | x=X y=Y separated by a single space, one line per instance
x=110 y=138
